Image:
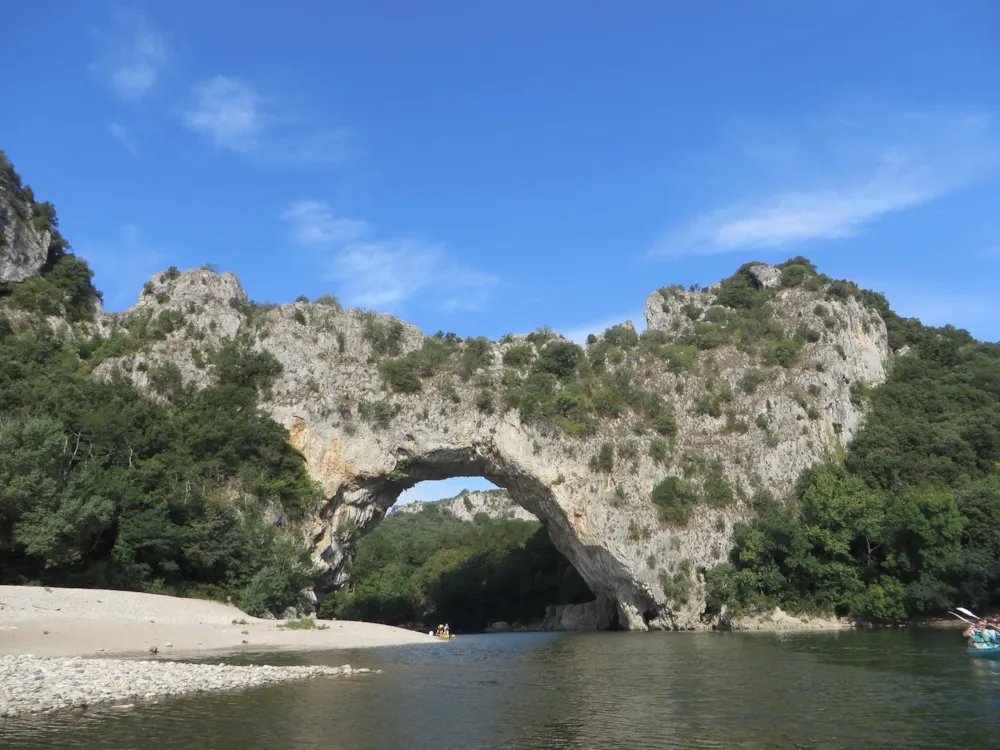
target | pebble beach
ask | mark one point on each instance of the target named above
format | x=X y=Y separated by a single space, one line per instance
x=32 y=685
x=78 y=648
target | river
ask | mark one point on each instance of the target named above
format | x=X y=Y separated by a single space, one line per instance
x=884 y=689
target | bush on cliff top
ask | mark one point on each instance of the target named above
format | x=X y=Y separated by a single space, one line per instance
x=549 y=380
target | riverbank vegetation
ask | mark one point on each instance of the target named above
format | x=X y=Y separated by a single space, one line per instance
x=909 y=523
x=102 y=486
x=430 y=567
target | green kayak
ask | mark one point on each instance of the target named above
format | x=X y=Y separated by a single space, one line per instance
x=988 y=652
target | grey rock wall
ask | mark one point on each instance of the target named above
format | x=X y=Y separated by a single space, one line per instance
x=23 y=248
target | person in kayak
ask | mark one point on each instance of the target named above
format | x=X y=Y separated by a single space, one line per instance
x=979 y=635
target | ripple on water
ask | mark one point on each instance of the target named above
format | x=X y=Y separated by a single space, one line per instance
x=912 y=689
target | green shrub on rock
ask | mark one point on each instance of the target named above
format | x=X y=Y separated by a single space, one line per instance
x=658 y=449
x=604 y=459
x=675 y=498
x=559 y=358
x=384 y=336
x=519 y=355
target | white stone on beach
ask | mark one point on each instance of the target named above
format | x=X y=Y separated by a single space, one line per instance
x=33 y=685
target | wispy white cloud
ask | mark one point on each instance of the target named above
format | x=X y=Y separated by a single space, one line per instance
x=313 y=224
x=227 y=111
x=122 y=265
x=578 y=333
x=386 y=273
x=132 y=56
x=121 y=134
x=235 y=116
x=917 y=160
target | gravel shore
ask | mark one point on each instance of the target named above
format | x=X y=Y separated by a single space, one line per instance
x=31 y=685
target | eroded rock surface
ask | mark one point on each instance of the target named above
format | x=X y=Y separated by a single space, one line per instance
x=740 y=420
x=24 y=248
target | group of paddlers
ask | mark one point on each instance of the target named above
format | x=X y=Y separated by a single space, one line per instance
x=983 y=633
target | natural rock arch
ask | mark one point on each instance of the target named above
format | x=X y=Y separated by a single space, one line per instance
x=360 y=503
x=738 y=420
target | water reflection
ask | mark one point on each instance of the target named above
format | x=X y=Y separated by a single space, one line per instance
x=886 y=689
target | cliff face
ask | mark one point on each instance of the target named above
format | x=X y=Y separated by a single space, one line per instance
x=726 y=420
x=24 y=240
x=494 y=504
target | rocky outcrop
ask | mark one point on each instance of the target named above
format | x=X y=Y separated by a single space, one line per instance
x=731 y=420
x=24 y=247
x=467 y=506
x=596 y=615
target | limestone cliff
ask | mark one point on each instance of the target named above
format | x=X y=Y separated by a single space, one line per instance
x=25 y=235
x=494 y=504
x=732 y=391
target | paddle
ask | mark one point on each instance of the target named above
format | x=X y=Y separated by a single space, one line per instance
x=955 y=614
x=975 y=618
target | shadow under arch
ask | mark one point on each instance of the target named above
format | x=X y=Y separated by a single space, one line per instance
x=361 y=504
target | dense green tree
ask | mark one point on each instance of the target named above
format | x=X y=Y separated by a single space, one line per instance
x=101 y=486
x=430 y=567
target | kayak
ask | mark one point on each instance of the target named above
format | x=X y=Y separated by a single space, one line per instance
x=989 y=652
x=445 y=637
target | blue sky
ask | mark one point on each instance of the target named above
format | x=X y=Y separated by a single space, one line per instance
x=493 y=167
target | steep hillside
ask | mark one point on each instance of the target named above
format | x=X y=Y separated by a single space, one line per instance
x=495 y=505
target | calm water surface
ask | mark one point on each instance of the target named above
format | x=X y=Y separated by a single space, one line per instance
x=906 y=689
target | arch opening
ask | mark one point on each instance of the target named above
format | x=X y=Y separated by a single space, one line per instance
x=455 y=540
x=439 y=490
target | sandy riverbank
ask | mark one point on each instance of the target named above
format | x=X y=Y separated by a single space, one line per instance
x=98 y=622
